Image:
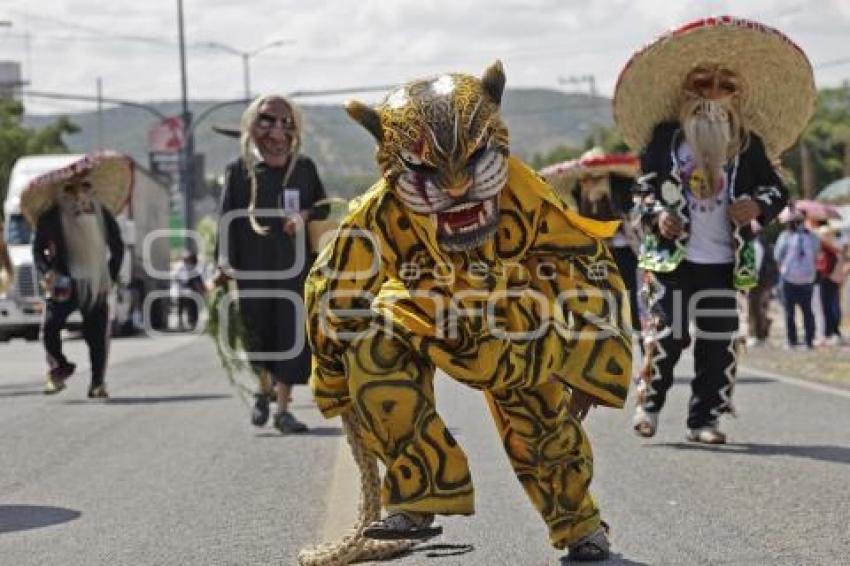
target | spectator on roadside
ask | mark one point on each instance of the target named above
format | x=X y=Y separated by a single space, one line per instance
x=758 y=299
x=831 y=273
x=796 y=252
x=191 y=285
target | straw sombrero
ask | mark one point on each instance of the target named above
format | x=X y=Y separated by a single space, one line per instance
x=564 y=176
x=111 y=175
x=777 y=85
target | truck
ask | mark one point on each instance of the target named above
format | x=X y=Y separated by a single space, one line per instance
x=147 y=211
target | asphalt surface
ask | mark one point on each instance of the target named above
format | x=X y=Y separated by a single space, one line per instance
x=170 y=472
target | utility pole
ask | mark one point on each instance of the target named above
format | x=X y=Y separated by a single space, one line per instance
x=99 y=113
x=187 y=170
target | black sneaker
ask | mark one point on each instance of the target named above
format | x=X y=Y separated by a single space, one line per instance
x=286 y=423
x=98 y=392
x=403 y=526
x=260 y=412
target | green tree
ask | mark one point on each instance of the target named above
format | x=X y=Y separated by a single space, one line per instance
x=17 y=141
x=827 y=143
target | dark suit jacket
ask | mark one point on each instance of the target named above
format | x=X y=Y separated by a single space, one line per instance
x=51 y=253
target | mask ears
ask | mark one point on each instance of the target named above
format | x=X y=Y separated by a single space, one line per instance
x=367 y=117
x=493 y=82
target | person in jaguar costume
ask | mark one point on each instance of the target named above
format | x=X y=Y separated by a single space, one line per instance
x=711 y=106
x=461 y=259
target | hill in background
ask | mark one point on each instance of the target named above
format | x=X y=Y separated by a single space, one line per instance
x=538 y=119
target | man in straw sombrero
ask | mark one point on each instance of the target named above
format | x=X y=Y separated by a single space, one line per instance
x=711 y=105
x=599 y=185
x=78 y=251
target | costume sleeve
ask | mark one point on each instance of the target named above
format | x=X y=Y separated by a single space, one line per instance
x=227 y=205
x=339 y=291
x=318 y=189
x=115 y=243
x=653 y=160
x=591 y=314
x=771 y=194
x=41 y=246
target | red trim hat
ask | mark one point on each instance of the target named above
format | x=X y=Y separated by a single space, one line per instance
x=111 y=175
x=777 y=92
x=564 y=176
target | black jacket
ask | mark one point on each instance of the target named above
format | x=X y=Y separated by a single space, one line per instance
x=247 y=250
x=750 y=174
x=51 y=253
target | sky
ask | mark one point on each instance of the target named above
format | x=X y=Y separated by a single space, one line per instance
x=65 y=45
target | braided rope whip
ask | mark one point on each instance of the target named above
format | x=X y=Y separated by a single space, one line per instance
x=353 y=546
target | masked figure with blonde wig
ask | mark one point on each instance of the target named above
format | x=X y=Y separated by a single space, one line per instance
x=461 y=259
x=710 y=106
x=267 y=199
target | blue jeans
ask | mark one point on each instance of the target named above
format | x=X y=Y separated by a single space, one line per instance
x=798 y=295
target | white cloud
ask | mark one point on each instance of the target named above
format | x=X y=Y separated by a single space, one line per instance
x=343 y=43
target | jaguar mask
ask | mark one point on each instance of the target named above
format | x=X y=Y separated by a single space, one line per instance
x=443 y=148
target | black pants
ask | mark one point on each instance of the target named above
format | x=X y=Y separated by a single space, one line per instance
x=701 y=294
x=627 y=262
x=95 y=333
x=794 y=296
x=830 y=301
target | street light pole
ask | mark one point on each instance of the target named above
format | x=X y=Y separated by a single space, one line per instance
x=246 y=58
x=246 y=74
x=187 y=170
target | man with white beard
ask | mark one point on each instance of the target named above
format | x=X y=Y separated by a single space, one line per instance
x=710 y=106
x=78 y=250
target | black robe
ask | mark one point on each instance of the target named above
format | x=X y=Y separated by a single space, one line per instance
x=267 y=264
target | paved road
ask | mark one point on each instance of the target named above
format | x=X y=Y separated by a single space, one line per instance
x=169 y=472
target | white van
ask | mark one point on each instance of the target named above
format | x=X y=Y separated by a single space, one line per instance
x=21 y=307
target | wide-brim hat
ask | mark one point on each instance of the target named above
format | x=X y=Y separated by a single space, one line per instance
x=564 y=176
x=110 y=173
x=777 y=92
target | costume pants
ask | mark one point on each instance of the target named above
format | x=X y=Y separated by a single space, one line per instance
x=95 y=333
x=702 y=294
x=392 y=390
x=798 y=296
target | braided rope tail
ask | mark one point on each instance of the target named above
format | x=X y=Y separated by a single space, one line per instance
x=353 y=546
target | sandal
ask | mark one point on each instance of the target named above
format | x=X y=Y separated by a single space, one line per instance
x=592 y=548
x=403 y=526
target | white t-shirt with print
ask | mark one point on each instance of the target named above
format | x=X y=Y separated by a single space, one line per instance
x=710 y=240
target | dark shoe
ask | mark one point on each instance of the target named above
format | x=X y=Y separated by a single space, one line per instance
x=260 y=412
x=403 y=526
x=592 y=548
x=286 y=423
x=56 y=378
x=98 y=392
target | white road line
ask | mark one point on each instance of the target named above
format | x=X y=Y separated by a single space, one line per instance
x=813 y=385
x=744 y=370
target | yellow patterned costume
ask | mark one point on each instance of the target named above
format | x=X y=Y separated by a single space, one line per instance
x=518 y=299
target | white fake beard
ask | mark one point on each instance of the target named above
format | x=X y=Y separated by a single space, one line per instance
x=707 y=128
x=87 y=255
